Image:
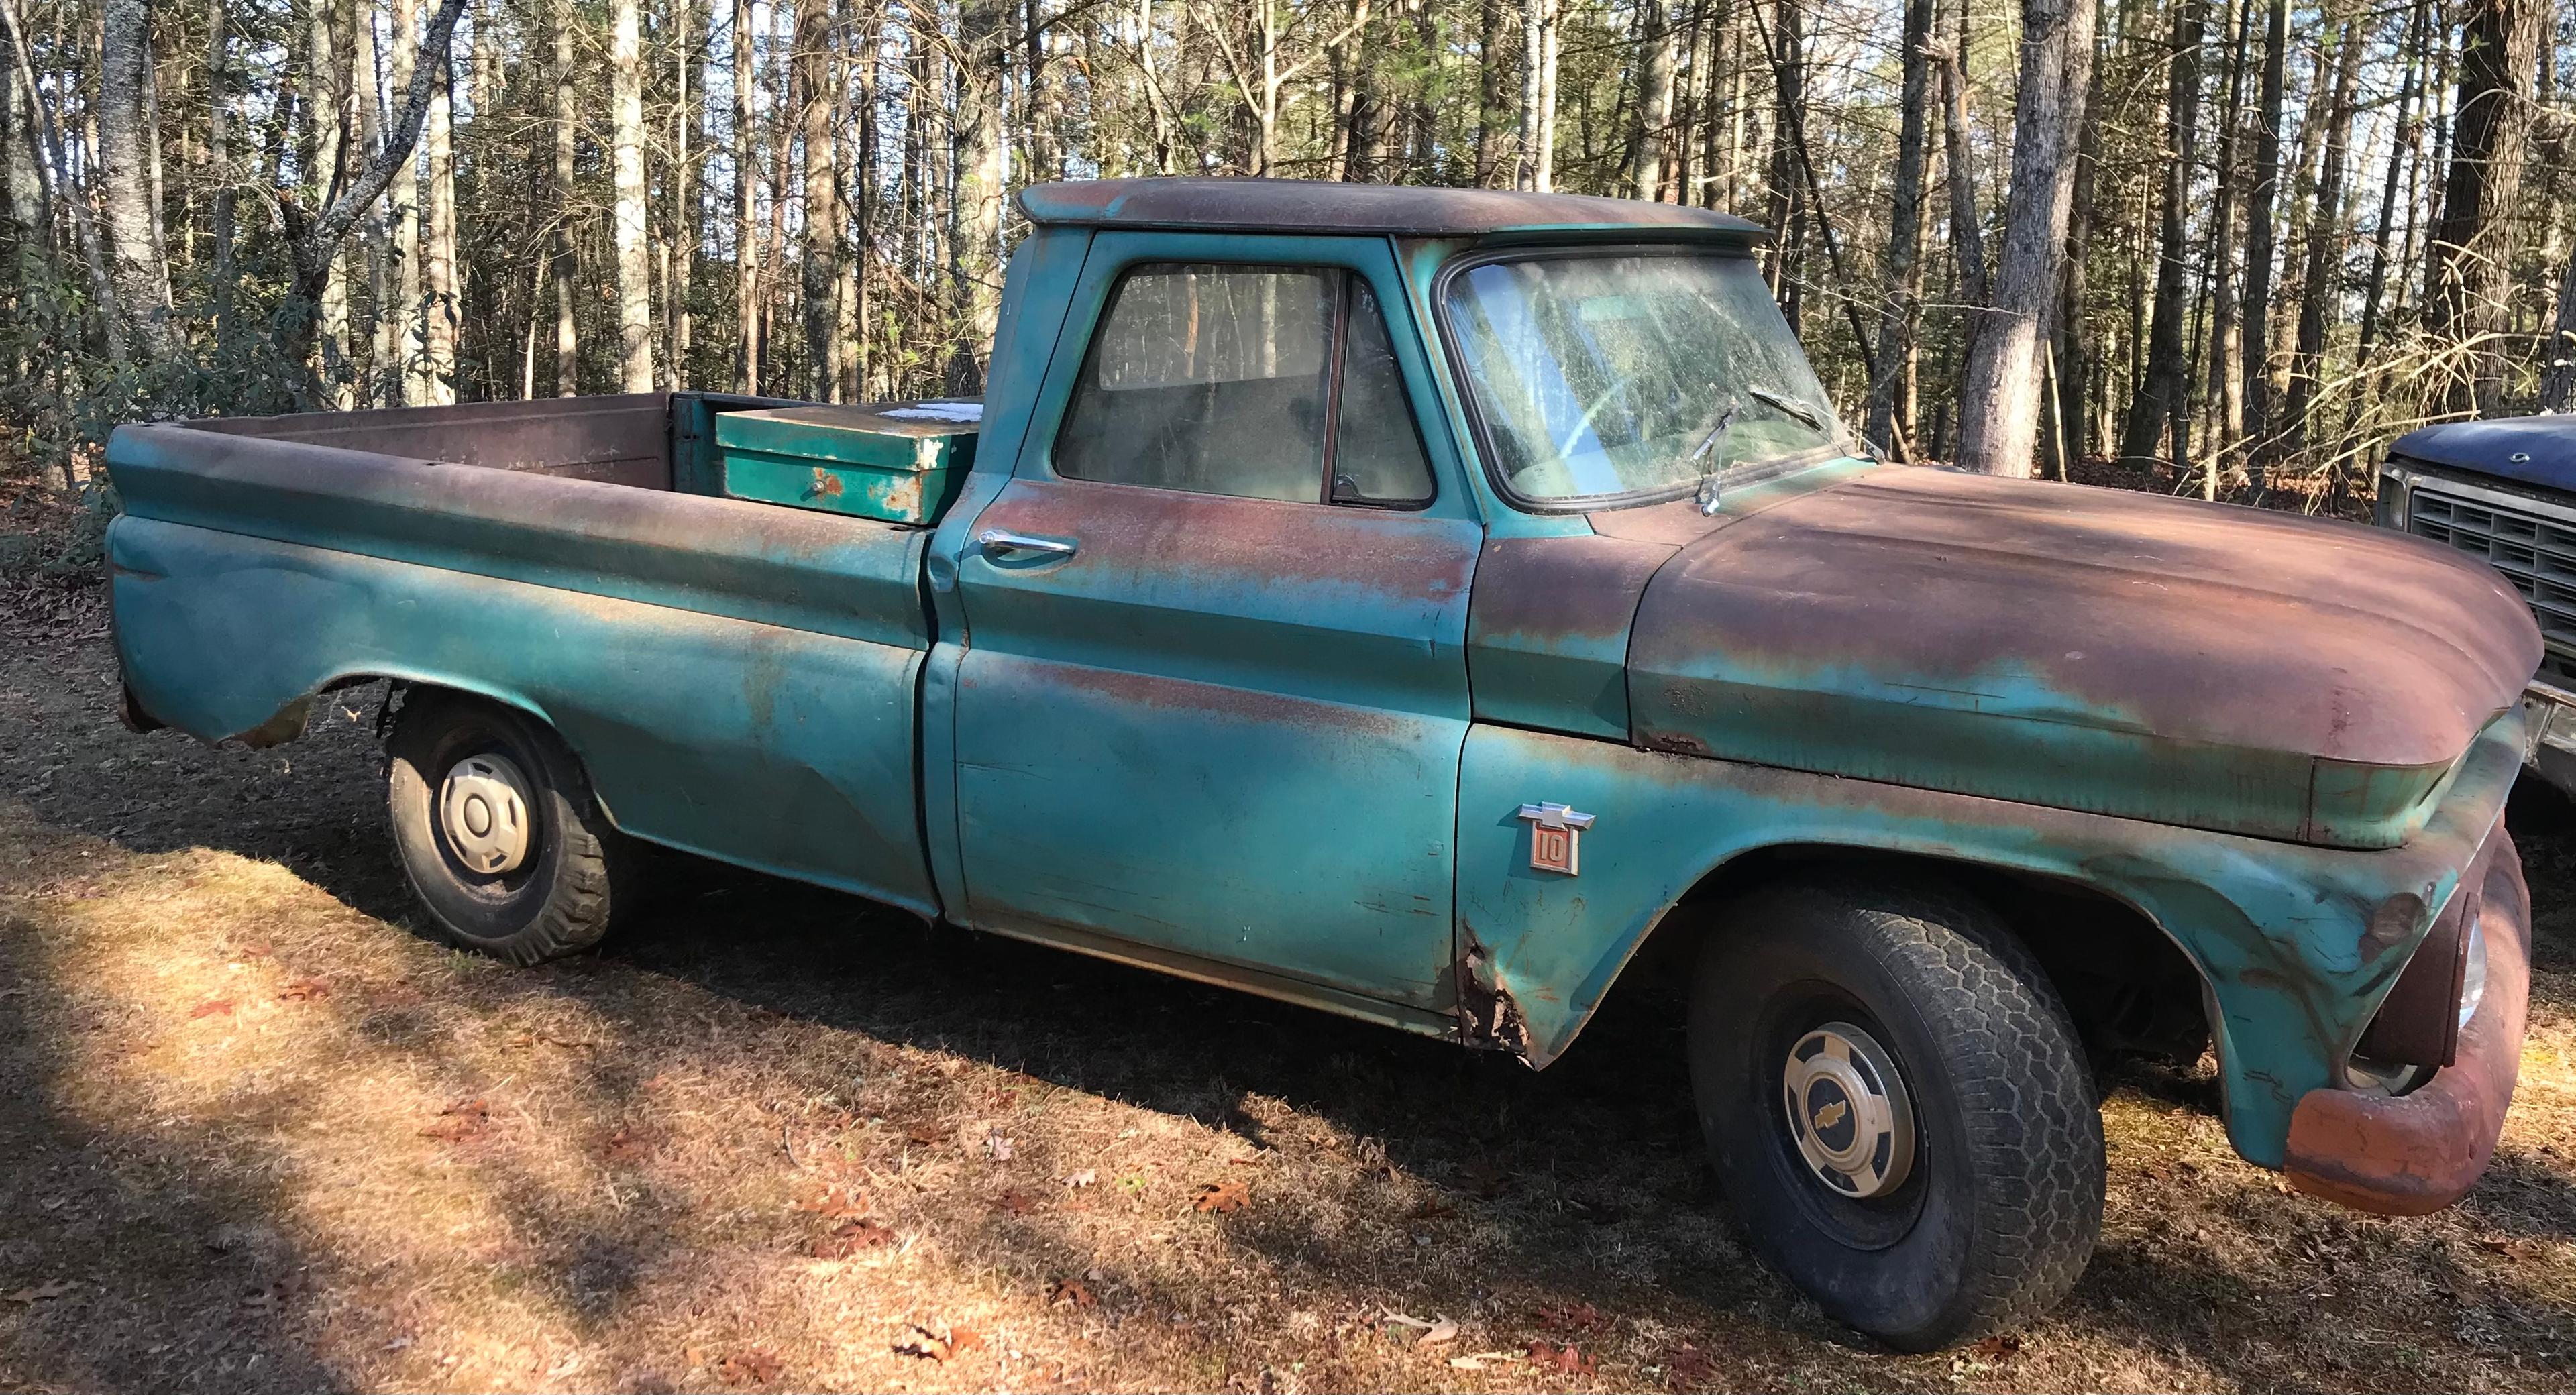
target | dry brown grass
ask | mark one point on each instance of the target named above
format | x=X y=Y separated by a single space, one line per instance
x=255 y=1134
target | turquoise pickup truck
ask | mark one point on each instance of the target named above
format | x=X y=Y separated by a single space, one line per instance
x=1443 y=607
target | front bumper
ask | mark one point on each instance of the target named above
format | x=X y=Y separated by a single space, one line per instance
x=2549 y=726
x=2406 y=1155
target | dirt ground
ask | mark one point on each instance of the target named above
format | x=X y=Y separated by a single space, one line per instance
x=258 y=1133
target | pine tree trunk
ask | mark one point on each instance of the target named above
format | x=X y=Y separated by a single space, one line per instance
x=219 y=101
x=2261 y=238
x=1646 y=166
x=632 y=235
x=567 y=98
x=2465 y=288
x=2226 y=383
x=2076 y=359
x=2558 y=356
x=973 y=259
x=1967 y=226
x=746 y=224
x=434 y=381
x=1490 y=70
x=326 y=117
x=2401 y=143
x=2320 y=288
x=1901 y=273
x=1999 y=406
x=2160 y=390
x=411 y=327
x=141 y=279
x=378 y=328
x=680 y=229
x=820 y=268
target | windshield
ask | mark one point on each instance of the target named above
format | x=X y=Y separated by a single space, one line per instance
x=1599 y=376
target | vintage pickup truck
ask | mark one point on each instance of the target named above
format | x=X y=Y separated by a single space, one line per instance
x=1441 y=607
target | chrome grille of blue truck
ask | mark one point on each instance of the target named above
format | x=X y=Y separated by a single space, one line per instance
x=2534 y=552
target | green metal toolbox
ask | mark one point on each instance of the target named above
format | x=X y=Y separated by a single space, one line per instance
x=896 y=461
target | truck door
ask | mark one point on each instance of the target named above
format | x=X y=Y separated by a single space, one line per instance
x=1215 y=691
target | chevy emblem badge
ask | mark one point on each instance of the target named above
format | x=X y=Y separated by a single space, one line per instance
x=1556 y=837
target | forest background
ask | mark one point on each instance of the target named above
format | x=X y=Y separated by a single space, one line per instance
x=2230 y=247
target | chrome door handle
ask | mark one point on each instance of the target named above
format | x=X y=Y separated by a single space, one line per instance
x=999 y=543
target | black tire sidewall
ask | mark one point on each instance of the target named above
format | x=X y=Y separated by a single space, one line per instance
x=1928 y=1285
x=430 y=735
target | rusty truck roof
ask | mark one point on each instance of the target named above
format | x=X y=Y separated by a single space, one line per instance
x=1299 y=205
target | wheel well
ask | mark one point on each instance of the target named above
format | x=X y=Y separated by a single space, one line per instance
x=2127 y=985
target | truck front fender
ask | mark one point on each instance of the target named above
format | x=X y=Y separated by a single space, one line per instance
x=2296 y=944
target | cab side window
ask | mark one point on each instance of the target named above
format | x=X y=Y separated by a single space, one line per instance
x=1256 y=382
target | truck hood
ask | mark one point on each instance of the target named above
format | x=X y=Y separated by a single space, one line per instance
x=2155 y=658
x=2537 y=451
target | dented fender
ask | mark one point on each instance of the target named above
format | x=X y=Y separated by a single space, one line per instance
x=2296 y=944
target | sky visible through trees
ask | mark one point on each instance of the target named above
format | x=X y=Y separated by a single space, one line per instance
x=2235 y=244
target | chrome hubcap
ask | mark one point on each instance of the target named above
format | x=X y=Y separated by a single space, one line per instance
x=1848 y=1111
x=483 y=807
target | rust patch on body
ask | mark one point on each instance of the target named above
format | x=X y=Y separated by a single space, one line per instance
x=1204 y=538
x=1255 y=706
x=1537 y=593
x=2409 y=1155
x=1488 y=1017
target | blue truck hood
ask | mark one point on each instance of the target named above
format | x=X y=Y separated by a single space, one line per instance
x=2537 y=451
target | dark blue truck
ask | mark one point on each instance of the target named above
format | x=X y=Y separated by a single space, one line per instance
x=2505 y=490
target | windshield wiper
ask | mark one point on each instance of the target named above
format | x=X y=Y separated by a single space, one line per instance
x=1708 y=443
x=1790 y=405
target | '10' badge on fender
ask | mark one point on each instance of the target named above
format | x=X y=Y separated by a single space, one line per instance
x=1556 y=837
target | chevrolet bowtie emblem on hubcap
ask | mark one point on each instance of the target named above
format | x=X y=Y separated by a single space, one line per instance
x=1556 y=837
x=1830 y=1115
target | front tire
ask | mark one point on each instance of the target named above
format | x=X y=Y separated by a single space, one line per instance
x=1897 y=1106
x=498 y=831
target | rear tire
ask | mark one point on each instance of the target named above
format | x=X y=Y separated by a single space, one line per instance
x=498 y=831
x=1942 y=1174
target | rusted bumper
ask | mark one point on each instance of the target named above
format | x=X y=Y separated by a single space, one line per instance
x=2412 y=1154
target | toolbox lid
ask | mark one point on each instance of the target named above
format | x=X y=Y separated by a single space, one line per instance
x=886 y=435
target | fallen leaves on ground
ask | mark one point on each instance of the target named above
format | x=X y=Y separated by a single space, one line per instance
x=1576 y=1317
x=997 y=1146
x=1996 y=1348
x=756 y=1367
x=935 y=1344
x=1488 y=1181
x=1084 y=1178
x=38 y=1294
x=213 y=1007
x=852 y=1237
x=304 y=990
x=627 y=1147
x=835 y=1204
x=1070 y=1293
x=461 y=1121
x=1689 y=1368
x=1221 y=1198
x=1564 y=1360
x=1016 y=1203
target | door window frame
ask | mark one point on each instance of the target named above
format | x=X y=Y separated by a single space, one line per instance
x=1369 y=259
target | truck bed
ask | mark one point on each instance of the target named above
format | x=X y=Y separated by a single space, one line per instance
x=569 y=557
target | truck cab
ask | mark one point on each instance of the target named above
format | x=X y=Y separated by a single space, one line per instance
x=1440 y=607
